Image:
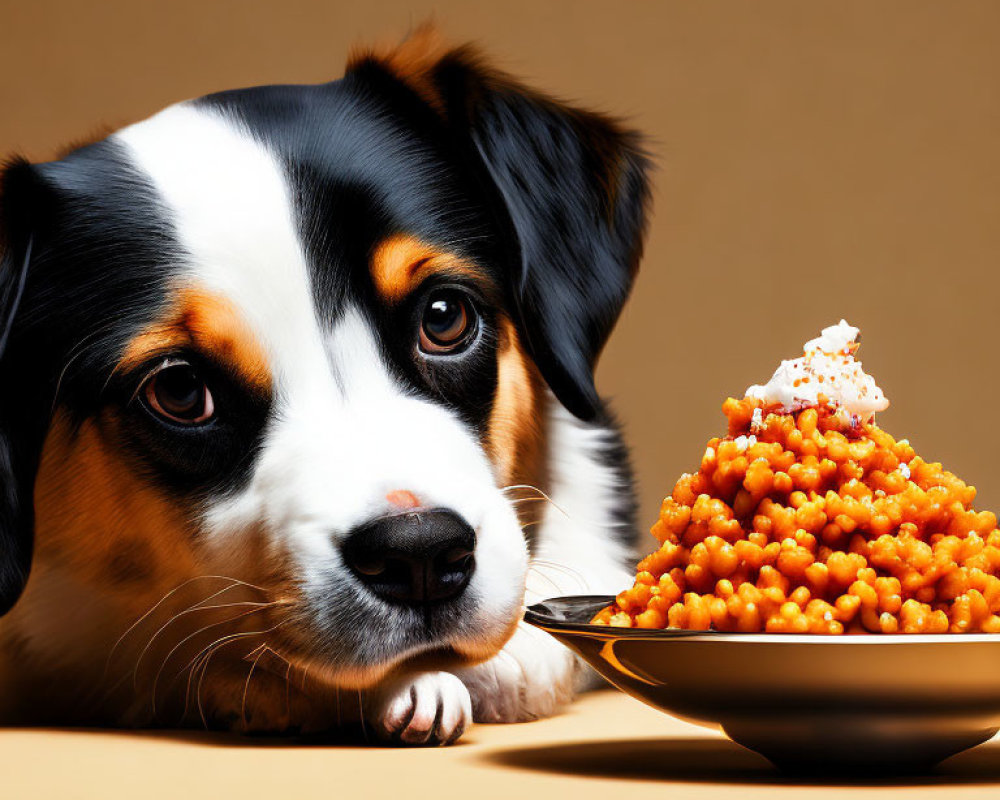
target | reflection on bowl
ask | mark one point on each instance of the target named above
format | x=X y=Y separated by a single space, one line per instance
x=884 y=703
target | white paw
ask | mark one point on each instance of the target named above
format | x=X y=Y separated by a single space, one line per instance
x=429 y=708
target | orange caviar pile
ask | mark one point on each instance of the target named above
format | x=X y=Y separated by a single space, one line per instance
x=795 y=525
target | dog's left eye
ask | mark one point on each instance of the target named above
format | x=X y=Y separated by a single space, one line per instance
x=449 y=321
x=175 y=392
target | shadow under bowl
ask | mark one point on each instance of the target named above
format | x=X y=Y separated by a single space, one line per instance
x=864 y=704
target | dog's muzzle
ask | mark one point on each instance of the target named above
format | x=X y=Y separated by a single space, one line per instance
x=416 y=557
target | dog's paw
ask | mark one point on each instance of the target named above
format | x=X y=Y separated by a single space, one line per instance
x=425 y=709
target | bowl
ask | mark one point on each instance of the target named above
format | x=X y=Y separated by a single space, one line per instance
x=809 y=703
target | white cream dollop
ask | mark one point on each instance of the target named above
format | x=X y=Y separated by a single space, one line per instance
x=828 y=368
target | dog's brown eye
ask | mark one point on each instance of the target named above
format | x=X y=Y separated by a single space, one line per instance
x=177 y=393
x=448 y=323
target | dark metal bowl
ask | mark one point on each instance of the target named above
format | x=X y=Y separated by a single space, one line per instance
x=885 y=703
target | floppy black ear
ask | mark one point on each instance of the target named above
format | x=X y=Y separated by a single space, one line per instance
x=575 y=188
x=571 y=192
x=19 y=444
x=571 y=189
x=574 y=185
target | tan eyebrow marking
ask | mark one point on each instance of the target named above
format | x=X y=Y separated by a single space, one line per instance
x=401 y=262
x=209 y=323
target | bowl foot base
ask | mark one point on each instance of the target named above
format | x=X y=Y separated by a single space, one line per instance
x=856 y=745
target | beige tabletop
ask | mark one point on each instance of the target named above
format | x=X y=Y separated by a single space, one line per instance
x=605 y=746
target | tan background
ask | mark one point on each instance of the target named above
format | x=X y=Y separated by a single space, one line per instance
x=817 y=160
x=605 y=747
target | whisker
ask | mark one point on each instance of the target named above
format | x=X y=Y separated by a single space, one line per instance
x=194 y=664
x=78 y=350
x=548 y=562
x=288 y=692
x=162 y=600
x=564 y=569
x=541 y=495
x=111 y=689
x=361 y=715
x=214 y=648
x=554 y=504
x=288 y=681
x=114 y=687
x=199 y=606
x=552 y=583
x=246 y=687
x=186 y=639
x=141 y=619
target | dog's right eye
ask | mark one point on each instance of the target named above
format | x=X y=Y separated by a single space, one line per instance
x=175 y=392
x=448 y=324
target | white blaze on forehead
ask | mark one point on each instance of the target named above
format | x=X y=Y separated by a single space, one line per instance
x=231 y=207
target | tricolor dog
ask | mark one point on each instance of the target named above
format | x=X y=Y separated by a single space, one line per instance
x=297 y=405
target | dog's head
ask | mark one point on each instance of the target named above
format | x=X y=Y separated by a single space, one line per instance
x=304 y=336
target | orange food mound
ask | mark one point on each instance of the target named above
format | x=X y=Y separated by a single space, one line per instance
x=793 y=525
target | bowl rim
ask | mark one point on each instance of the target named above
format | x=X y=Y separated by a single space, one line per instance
x=536 y=614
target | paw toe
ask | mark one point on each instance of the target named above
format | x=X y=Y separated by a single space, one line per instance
x=430 y=709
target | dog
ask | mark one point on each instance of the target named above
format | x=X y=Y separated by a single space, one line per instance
x=298 y=408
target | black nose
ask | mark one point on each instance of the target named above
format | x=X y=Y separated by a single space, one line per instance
x=417 y=557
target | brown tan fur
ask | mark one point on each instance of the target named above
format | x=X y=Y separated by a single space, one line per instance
x=412 y=61
x=516 y=440
x=203 y=321
x=400 y=263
